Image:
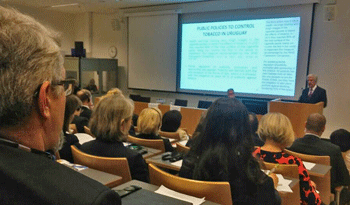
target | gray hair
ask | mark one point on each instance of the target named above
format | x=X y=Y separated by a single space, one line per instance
x=29 y=55
x=313 y=76
x=107 y=116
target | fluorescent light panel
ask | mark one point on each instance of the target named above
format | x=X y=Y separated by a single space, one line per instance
x=63 y=5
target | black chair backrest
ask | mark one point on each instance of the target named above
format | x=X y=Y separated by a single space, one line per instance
x=204 y=104
x=181 y=102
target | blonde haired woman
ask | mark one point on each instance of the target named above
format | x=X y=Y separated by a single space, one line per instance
x=110 y=124
x=277 y=132
x=148 y=125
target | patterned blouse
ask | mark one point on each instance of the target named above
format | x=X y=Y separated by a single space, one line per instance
x=308 y=193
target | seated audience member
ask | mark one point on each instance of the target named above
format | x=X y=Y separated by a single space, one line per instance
x=72 y=104
x=341 y=138
x=231 y=93
x=114 y=91
x=79 y=121
x=171 y=122
x=86 y=98
x=223 y=152
x=110 y=123
x=32 y=103
x=148 y=125
x=277 y=132
x=254 y=124
x=132 y=130
x=312 y=144
x=92 y=86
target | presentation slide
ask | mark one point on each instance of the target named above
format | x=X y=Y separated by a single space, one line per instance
x=251 y=56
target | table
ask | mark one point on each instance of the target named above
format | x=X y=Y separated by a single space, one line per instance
x=149 y=187
x=109 y=180
x=157 y=160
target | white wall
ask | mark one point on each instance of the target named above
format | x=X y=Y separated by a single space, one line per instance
x=59 y=21
x=330 y=52
x=330 y=60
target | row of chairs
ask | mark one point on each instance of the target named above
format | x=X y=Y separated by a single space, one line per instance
x=179 y=102
x=218 y=192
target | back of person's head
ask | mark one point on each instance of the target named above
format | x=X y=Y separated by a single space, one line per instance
x=72 y=104
x=225 y=146
x=29 y=55
x=316 y=123
x=108 y=116
x=231 y=93
x=171 y=121
x=84 y=95
x=341 y=138
x=254 y=122
x=149 y=121
x=277 y=127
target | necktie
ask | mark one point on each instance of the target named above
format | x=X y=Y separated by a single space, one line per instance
x=310 y=93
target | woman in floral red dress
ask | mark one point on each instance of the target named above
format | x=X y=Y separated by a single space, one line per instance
x=277 y=132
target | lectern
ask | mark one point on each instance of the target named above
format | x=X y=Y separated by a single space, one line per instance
x=296 y=112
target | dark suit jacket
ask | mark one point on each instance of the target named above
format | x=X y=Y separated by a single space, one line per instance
x=66 y=151
x=167 y=144
x=137 y=165
x=80 y=122
x=86 y=112
x=313 y=145
x=319 y=95
x=28 y=178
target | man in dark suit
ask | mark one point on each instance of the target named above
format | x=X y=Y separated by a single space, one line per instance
x=86 y=98
x=313 y=94
x=32 y=103
x=312 y=144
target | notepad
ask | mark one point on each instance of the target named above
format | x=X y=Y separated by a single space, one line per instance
x=177 y=163
x=184 y=197
x=308 y=165
x=283 y=184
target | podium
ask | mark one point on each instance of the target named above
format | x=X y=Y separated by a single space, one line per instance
x=296 y=112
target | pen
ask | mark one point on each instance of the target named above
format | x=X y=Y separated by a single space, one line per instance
x=274 y=169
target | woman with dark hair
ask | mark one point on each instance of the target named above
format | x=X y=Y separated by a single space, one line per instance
x=341 y=138
x=223 y=152
x=171 y=122
x=73 y=103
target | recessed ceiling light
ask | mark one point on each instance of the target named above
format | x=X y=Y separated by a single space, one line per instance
x=63 y=5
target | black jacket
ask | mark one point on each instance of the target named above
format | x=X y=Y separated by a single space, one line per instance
x=28 y=178
x=319 y=95
x=137 y=165
x=313 y=145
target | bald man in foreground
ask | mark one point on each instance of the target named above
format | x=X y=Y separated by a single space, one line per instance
x=312 y=144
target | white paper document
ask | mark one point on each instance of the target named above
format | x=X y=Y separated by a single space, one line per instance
x=184 y=197
x=308 y=165
x=177 y=163
x=283 y=184
x=183 y=142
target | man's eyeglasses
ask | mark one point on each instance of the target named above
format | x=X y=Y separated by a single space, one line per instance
x=67 y=85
